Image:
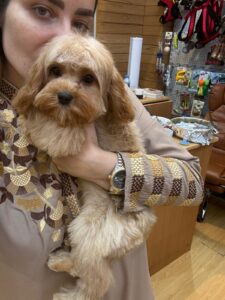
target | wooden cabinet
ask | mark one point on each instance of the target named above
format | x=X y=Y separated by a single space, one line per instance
x=172 y=235
x=159 y=107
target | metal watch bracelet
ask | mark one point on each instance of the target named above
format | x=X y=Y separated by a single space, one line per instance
x=117 y=177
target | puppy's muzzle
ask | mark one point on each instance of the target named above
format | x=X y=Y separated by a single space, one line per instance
x=64 y=97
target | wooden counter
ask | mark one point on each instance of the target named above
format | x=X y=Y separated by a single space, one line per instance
x=172 y=235
x=154 y=100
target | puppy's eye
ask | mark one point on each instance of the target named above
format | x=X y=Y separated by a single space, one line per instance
x=55 y=71
x=88 y=79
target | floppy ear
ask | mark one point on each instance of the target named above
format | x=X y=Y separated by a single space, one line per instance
x=34 y=83
x=119 y=106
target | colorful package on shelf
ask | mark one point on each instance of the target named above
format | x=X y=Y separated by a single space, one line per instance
x=203 y=83
x=216 y=56
x=217 y=77
x=197 y=107
x=185 y=103
x=183 y=76
x=167 y=41
x=213 y=76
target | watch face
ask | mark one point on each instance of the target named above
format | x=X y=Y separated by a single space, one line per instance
x=119 y=179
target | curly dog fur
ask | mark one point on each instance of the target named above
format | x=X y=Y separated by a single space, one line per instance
x=74 y=82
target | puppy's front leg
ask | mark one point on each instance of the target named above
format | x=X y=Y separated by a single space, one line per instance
x=60 y=261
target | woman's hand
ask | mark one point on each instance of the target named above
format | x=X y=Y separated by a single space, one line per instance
x=92 y=163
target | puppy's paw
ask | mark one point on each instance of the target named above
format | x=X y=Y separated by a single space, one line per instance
x=61 y=296
x=71 y=295
x=60 y=261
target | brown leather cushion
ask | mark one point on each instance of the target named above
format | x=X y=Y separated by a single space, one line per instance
x=216 y=97
x=215 y=176
x=216 y=188
x=218 y=119
x=223 y=174
x=218 y=156
x=216 y=169
x=218 y=115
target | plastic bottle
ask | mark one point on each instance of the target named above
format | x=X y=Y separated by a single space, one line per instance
x=126 y=80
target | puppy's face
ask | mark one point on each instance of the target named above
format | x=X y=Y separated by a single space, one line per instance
x=74 y=81
x=71 y=94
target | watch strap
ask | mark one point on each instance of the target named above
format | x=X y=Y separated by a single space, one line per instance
x=120 y=162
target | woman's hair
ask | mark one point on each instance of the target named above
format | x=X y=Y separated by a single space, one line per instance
x=3 y=5
x=96 y=3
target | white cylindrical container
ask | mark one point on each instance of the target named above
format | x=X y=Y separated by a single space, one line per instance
x=134 y=62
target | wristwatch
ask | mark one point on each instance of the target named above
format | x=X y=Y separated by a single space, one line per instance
x=117 y=177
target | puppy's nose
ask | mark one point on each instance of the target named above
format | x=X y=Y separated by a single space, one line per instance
x=64 y=97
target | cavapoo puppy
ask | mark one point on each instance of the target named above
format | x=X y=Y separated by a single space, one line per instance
x=74 y=83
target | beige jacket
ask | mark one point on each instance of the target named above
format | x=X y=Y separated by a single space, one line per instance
x=33 y=212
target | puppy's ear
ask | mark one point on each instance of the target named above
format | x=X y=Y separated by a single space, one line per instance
x=25 y=96
x=120 y=108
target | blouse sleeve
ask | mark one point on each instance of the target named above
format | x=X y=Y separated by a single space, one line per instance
x=166 y=175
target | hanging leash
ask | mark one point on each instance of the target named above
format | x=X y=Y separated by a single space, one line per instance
x=204 y=21
x=171 y=11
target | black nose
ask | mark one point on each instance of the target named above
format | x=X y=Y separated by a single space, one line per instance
x=64 y=97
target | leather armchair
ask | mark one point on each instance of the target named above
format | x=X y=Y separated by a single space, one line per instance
x=215 y=176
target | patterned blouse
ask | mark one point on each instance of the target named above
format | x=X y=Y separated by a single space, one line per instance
x=28 y=177
x=35 y=200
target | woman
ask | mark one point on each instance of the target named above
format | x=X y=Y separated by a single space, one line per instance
x=33 y=212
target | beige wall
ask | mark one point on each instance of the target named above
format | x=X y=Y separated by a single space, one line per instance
x=117 y=20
